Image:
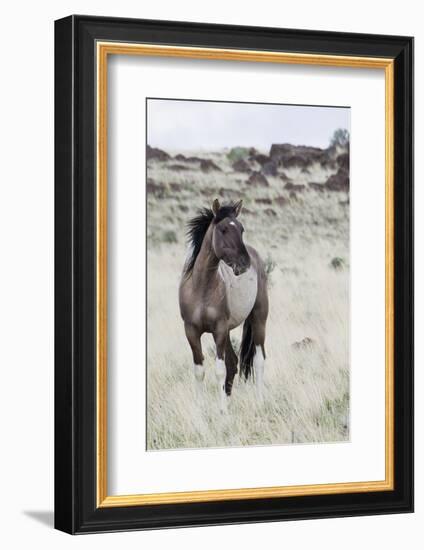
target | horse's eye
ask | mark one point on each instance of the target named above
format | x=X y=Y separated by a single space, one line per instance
x=224 y=230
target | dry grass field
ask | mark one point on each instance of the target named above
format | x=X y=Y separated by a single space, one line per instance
x=302 y=232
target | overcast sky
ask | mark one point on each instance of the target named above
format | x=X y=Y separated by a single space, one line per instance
x=191 y=125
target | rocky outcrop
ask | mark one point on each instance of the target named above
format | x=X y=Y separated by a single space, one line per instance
x=338 y=181
x=294 y=187
x=259 y=158
x=157 y=154
x=176 y=187
x=263 y=200
x=281 y=201
x=269 y=168
x=178 y=167
x=316 y=186
x=257 y=179
x=288 y=155
x=207 y=166
x=241 y=166
x=302 y=156
x=343 y=161
x=183 y=158
x=153 y=188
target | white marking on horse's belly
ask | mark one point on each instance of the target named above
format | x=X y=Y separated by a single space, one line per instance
x=241 y=292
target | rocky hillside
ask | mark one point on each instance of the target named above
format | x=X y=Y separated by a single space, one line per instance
x=294 y=190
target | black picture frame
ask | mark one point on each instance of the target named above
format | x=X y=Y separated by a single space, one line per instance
x=76 y=510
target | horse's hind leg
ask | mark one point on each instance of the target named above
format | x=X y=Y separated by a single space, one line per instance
x=258 y=318
x=231 y=366
x=258 y=336
x=252 y=352
x=193 y=337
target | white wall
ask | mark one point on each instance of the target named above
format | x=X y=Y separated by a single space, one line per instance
x=26 y=274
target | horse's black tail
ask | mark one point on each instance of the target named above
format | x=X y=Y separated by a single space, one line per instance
x=247 y=351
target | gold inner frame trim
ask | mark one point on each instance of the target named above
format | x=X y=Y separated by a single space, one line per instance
x=103 y=50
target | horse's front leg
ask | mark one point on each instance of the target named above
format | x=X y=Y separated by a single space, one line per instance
x=193 y=337
x=220 y=336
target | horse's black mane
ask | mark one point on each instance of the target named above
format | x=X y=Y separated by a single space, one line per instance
x=197 y=227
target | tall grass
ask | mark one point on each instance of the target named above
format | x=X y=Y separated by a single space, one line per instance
x=306 y=398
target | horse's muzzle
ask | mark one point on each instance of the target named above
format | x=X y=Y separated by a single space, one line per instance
x=241 y=268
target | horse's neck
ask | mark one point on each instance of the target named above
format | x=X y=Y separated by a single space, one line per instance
x=206 y=266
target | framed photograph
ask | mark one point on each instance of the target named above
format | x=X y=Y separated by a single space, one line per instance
x=234 y=274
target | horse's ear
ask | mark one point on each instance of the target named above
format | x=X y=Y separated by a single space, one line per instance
x=237 y=208
x=215 y=206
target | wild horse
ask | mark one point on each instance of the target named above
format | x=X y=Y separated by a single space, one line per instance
x=224 y=284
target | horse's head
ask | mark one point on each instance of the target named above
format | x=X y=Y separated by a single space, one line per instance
x=227 y=238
